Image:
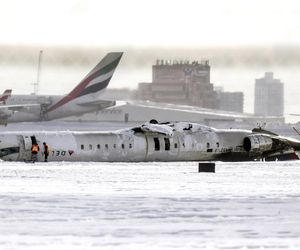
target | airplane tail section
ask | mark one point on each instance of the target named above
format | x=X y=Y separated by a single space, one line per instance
x=96 y=80
x=6 y=94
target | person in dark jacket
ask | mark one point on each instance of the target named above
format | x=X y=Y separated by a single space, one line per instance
x=46 y=151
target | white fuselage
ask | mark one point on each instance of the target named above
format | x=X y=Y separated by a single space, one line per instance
x=124 y=145
x=36 y=113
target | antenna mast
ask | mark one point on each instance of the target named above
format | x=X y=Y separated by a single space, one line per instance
x=36 y=84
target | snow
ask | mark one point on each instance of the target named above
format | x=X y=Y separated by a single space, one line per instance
x=253 y=205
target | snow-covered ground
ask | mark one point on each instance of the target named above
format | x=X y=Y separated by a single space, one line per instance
x=149 y=206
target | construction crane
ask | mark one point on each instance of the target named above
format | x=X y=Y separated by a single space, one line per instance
x=36 y=84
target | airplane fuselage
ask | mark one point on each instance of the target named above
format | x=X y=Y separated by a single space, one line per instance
x=128 y=146
x=180 y=141
x=40 y=113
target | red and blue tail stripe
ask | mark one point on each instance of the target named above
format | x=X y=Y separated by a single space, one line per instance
x=97 y=80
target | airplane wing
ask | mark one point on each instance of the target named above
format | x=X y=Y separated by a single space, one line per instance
x=98 y=103
x=17 y=107
x=7 y=110
x=263 y=144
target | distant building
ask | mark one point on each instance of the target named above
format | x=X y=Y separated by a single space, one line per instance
x=231 y=101
x=269 y=94
x=180 y=82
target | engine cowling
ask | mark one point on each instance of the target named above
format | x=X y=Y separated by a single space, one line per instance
x=257 y=143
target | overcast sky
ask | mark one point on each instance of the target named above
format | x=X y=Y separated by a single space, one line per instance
x=150 y=23
x=132 y=25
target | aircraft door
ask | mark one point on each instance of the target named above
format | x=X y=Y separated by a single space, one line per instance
x=25 y=147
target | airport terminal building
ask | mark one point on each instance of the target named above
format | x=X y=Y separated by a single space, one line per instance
x=140 y=112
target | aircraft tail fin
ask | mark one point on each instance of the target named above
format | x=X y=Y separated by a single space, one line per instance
x=6 y=94
x=96 y=80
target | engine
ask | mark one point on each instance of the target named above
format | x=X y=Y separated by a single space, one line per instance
x=257 y=144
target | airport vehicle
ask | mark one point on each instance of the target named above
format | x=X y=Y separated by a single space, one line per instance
x=181 y=141
x=83 y=98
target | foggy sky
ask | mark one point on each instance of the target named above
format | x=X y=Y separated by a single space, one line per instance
x=134 y=23
x=254 y=56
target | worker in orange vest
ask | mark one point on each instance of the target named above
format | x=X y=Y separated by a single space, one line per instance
x=34 y=151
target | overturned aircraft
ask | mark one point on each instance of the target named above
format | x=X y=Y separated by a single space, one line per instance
x=181 y=141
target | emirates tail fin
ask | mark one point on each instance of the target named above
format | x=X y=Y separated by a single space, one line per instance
x=6 y=94
x=95 y=81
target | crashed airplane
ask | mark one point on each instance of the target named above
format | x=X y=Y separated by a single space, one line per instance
x=181 y=141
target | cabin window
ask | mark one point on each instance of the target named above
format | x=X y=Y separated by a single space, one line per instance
x=82 y=147
x=98 y=146
x=123 y=146
x=167 y=144
x=183 y=145
x=115 y=145
x=218 y=145
x=130 y=145
x=156 y=144
x=207 y=145
x=90 y=146
x=175 y=145
x=106 y=146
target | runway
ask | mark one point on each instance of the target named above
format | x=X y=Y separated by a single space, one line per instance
x=252 y=205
